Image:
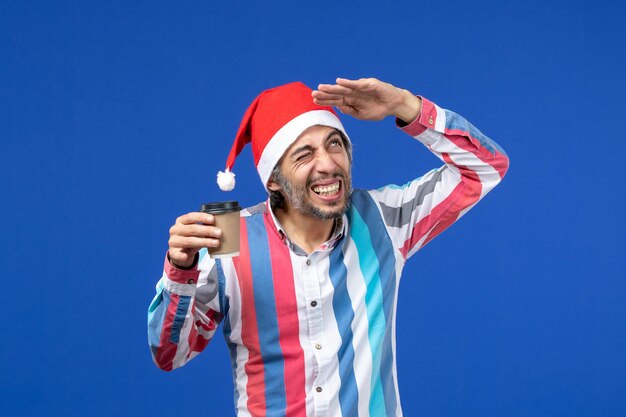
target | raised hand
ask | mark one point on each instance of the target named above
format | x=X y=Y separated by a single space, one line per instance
x=368 y=99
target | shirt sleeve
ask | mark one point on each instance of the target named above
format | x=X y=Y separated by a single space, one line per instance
x=185 y=312
x=418 y=211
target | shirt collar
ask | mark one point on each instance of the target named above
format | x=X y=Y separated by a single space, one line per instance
x=338 y=231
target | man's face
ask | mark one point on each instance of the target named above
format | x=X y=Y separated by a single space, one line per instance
x=315 y=174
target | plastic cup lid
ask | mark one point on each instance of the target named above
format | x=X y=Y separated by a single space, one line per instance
x=220 y=207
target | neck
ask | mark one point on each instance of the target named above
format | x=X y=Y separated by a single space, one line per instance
x=305 y=231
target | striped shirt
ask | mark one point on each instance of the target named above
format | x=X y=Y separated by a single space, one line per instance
x=314 y=334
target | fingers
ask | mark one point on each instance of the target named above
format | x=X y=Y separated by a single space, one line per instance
x=330 y=102
x=333 y=90
x=349 y=83
x=196 y=217
x=192 y=242
x=362 y=83
x=323 y=98
x=336 y=94
x=321 y=95
x=194 y=231
x=349 y=110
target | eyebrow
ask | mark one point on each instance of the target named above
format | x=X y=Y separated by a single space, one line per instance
x=305 y=148
x=300 y=150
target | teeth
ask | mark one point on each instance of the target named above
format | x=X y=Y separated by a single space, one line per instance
x=331 y=189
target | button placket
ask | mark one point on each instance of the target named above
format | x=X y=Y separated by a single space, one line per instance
x=312 y=286
x=312 y=293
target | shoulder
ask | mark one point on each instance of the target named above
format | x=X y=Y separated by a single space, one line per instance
x=360 y=197
x=260 y=208
x=362 y=200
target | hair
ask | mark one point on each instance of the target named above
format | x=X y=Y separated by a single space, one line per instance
x=277 y=199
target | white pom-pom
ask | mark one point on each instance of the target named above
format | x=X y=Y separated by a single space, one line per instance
x=226 y=180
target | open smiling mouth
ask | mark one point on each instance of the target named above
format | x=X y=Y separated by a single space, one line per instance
x=328 y=190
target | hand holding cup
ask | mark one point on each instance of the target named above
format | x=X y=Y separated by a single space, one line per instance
x=192 y=232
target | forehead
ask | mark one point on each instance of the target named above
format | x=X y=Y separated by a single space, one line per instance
x=313 y=136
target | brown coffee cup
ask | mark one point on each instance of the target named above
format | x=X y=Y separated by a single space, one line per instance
x=226 y=214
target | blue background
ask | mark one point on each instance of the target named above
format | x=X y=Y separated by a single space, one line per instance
x=115 y=116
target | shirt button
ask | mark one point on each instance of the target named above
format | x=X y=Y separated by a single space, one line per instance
x=318 y=346
x=308 y=262
x=318 y=389
x=191 y=281
x=313 y=303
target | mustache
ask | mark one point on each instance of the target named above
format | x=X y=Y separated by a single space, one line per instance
x=336 y=174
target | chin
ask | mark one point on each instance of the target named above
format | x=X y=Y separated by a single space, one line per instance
x=328 y=211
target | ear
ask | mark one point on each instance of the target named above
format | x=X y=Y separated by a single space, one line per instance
x=273 y=185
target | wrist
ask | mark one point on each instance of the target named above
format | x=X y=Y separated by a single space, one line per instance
x=408 y=108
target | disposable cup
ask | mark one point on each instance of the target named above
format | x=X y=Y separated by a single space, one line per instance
x=226 y=214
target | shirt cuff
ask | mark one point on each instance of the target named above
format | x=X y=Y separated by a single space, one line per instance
x=425 y=120
x=181 y=276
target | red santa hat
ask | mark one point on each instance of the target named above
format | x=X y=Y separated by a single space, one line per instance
x=274 y=120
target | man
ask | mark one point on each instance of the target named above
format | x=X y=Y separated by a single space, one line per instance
x=308 y=307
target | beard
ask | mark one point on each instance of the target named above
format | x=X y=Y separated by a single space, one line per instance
x=298 y=196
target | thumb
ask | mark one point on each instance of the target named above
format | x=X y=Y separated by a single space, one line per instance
x=349 y=110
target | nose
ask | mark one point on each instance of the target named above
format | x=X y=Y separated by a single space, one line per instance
x=325 y=162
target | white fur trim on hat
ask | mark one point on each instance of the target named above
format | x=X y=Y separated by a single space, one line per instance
x=288 y=134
